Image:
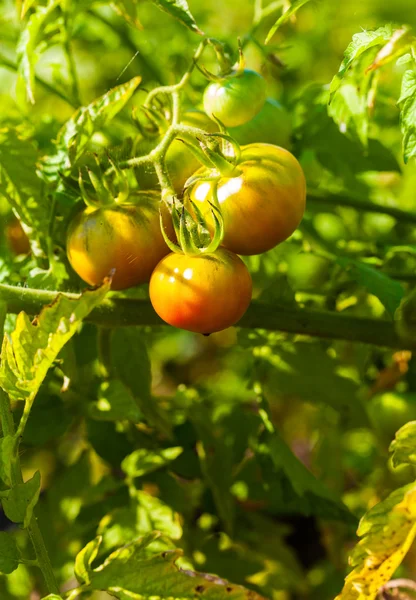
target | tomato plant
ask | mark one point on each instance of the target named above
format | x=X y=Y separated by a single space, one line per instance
x=124 y=241
x=262 y=201
x=204 y=294
x=271 y=125
x=235 y=99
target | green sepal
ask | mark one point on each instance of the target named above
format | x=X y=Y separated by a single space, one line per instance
x=101 y=188
x=194 y=145
x=88 y=199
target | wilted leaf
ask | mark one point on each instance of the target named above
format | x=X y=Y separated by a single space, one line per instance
x=21 y=500
x=29 y=351
x=404 y=445
x=144 y=461
x=407 y=103
x=387 y=531
x=9 y=554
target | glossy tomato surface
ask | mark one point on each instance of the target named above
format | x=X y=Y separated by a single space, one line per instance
x=204 y=293
x=262 y=204
x=180 y=161
x=124 y=239
x=271 y=125
x=236 y=99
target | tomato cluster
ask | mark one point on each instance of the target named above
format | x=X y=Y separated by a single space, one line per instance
x=260 y=198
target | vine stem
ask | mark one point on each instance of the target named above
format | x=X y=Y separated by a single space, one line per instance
x=33 y=529
x=125 y=312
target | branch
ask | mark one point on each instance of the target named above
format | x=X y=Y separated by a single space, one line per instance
x=122 y=312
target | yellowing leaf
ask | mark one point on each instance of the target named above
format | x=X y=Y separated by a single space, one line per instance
x=387 y=532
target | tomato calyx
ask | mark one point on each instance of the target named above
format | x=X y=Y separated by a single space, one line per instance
x=101 y=191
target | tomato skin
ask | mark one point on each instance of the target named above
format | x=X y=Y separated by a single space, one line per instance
x=204 y=293
x=272 y=125
x=237 y=99
x=126 y=239
x=180 y=161
x=262 y=205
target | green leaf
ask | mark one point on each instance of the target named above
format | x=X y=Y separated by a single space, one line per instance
x=179 y=9
x=387 y=531
x=85 y=559
x=9 y=554
x=144 y=461
x=21 y=500
x=74 y=136
x=137 y=571
x=294 y=7
x=128 y=10
x=387 y=290
x=407 y=103
x=19 y=183
x=29 y=351
x=128 y=348
x=6 y=453
x=404 y=445
x=115 y=403
x=32 y=35
x=52 y=597
x=153 y=514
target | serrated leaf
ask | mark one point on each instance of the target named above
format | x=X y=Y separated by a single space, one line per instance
x=84 y=560
x=294 y=7
x=179 y=9
x=389 y=291
x=404 y=445
x=137 y=571
x=19 y=183
x=30 y=38
x=143 y=461
x=9 y=554
x=29 y=351
x=387 y=531
x=128 y=348
x=6 y=452
x=407 y=103
x=74 y=136
x=21 y=500
x=128 y=10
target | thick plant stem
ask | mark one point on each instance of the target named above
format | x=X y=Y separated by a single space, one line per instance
x=124 y=312
x=34 y=532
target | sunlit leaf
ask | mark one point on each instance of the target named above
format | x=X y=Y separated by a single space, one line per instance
x=179 y=9
x=29 y=351
x=404 y=445
x=387 y=531
x=9 y=553
x=144 y=461
x=407 y=103
x=84 y=560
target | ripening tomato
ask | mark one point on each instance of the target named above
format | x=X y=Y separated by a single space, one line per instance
x=203 y=293
x=180 y=161
x=124 y=239
x=235 y=99
x=272 y=125
x=262 y=204
x=17 y=238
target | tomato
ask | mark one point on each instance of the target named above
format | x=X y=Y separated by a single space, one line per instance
x=308 y=272
x=391 y=410
x=261 y=205
x=203 y=293
x=236 y=99
x=180 y=161
x=17 y=238
x=126 y=239
x=272 y=125
x=330 y=227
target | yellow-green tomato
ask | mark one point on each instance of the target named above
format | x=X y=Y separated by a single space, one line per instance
x=125 y=241
x=204 y=293
x=235 y=99
x=180 y=161
x=262 y=203
x=272 y=125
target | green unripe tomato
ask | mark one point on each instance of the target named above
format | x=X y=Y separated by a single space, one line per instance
x=235 y=99
x=330 y=227
x=377 y=226
x=390 y=411
x=308 y=272
x=271 y=125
